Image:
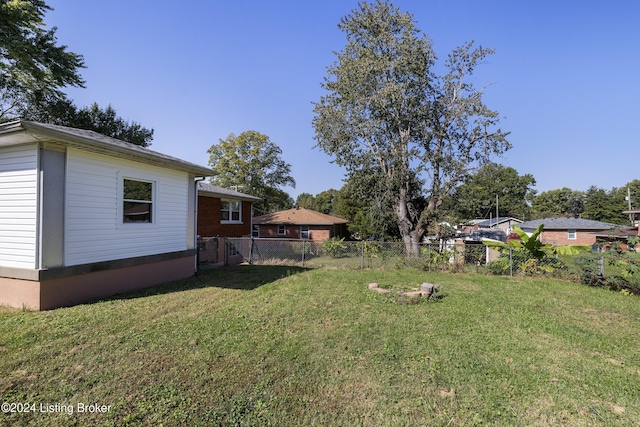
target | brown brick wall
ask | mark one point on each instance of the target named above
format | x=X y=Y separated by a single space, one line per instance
x=271 y=231
x=320 y=234
x=560 y=237
x=317 y=233
x=209 y=219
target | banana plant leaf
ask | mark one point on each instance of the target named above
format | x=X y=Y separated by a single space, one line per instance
x=530 y=244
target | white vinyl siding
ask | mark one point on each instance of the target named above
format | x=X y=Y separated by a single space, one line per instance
x=94 y=227
x=18 y=206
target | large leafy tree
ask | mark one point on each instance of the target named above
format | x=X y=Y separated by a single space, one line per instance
x=559 y=202
x=606 y=206
x=326 y=201
x=369 y=215
x=33 y=67
x=387 y=112
x=306 y=200
x=252 y=164
x=105 y=121
x=476 y=196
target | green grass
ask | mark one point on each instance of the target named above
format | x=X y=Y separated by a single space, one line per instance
x=286 y=346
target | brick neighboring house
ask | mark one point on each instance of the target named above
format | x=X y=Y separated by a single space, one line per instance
x=299 y=223
x=567 y=231
x=223 y=212
x=620 y=236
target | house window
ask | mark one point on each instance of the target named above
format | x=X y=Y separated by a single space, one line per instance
x=281 y=230
x=255 y=230
x=571 y=234
x=230 y=211
x=137 y=203
x=304 y=231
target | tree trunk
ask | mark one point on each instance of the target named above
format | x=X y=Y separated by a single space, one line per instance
x=416 y=237
x=410 y=231
x=408 y=246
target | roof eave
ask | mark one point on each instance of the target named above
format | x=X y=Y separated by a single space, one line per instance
x=43 y=133
x=228 y=196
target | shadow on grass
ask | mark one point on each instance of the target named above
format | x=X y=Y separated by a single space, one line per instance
x=245 y=277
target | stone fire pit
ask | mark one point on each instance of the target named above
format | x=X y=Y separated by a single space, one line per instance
x=426 y=290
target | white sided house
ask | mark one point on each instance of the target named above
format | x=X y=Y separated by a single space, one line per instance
x=84 y=216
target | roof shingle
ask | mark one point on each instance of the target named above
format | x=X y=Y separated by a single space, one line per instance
x=299 y=216
x=566 y=224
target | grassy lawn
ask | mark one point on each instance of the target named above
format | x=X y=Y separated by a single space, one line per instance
x=286 y=346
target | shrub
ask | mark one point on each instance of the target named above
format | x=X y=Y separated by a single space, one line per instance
x=500 y=266
x=335 y=247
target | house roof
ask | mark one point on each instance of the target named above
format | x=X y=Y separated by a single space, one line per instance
x=299 y=216
x=566 y=224
x=493 y=221
x=618 y=233
x=22 y=131
x=207 y=189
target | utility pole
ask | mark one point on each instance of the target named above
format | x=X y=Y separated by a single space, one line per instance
x=629 y=202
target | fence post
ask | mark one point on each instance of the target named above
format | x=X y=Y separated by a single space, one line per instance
x=601 y=267
x=303 y=243
x=225 y=244
x=362 y=256
x=510 y=261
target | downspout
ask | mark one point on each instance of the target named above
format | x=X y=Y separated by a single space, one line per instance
x=195 y=222
x=39 y=207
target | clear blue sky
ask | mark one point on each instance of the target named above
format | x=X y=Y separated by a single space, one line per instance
x=565 y=76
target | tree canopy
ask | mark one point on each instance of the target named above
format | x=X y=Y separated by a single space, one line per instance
x=252 y=163
x=33 y=67
x=559 y=202
x=104 y=121
x=476 y=196
x=608 y=206
x=370 y=215
x=387 y=112
x=324 y=202
x=596 y=203
x=305 y=200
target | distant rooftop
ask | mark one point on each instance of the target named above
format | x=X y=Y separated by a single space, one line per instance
x=299 y=216
x=567 y=223
x=493 y=221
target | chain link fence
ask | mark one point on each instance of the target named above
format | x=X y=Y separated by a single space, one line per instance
x=615 y=269
x=618 y=270
x=354 y=254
